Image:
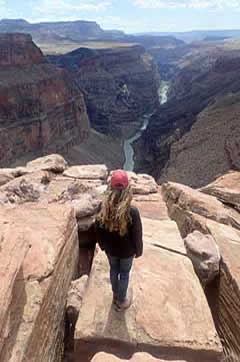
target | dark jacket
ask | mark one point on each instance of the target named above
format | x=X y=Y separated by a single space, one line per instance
x=122 y=246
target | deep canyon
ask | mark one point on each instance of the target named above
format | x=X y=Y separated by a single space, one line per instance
x=100 y=102
x=151 y=104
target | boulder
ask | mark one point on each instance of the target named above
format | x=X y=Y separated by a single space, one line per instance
x=62 y=189
x=224 y=295
x=226 y=188
x=85 y=199
x=101 y=189
x=204 y=254
x=91 y=172
x=45 y=186
x=85 y=224
x=151 y=205
x=86 y=205
x=53 y=162
x=76 y=293
x=21 y=171
x=185 y=198
x=142 y=183
x=6 y=175
x=162 y=317
x=42 y=279
x=21 y=192
x=28 y=188
x=137 y=357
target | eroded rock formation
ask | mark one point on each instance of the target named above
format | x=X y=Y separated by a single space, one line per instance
x=47 y=211
x=119 y=84
x=19 y=49
x=193 y=138
x=223 y=294
x=37 y=288
x=41 y=109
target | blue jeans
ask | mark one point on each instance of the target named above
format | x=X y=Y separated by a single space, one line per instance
x=119 y=276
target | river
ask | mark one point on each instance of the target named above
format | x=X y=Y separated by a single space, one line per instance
x=127 y=147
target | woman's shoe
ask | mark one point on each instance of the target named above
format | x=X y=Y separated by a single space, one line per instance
x=115 y=299
x=124 y=305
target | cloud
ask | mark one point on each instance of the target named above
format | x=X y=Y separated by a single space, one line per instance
x=60 y=9
x=187 y=4
x=127 y=24
x=4 y=11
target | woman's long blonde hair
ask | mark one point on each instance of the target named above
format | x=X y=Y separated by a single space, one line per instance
x=115 y=210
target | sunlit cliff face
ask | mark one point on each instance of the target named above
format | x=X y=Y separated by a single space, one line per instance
x=41 y=109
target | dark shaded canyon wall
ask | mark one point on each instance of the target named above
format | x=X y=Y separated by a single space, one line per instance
x=194 y=137
x=41 y=109
x=119 y=84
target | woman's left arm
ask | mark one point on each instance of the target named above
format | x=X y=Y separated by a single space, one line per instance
x=137 y=232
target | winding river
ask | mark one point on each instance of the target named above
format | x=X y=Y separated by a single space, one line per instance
x=127 y=147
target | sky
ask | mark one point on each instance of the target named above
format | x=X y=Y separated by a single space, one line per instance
x=131 y=16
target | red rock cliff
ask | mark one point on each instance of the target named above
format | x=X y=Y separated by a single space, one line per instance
x=19 y=49
x=41 y=109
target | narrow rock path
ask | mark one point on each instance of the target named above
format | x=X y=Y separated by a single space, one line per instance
x=164 y=318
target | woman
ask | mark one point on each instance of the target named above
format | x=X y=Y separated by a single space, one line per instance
x=119 y=233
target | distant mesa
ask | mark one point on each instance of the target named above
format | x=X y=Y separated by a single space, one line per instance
x=81 y=30
x=74 y=30
x=17 y=22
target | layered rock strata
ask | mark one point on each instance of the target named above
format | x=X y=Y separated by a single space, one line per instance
x=50 y=207
x=97 y=148
x=39 y=254
x=40 y=284
x=53 y=31
x=194 y=137
x=19 y=49
x=223 y=294
x=119 y=84
x=41 y=109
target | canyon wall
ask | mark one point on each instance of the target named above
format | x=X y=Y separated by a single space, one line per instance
x=194 y=137
x=18 y=49
x=41 y=109
x=119 y=84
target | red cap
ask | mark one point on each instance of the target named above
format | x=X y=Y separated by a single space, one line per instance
x=119 y=179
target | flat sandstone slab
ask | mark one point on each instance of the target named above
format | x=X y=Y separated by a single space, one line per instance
x=151 y=206
x=138 y=357
x=39 y=277
x=164 y=234
x=169 y=314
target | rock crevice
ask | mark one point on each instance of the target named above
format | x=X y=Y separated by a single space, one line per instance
x=223 y=292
